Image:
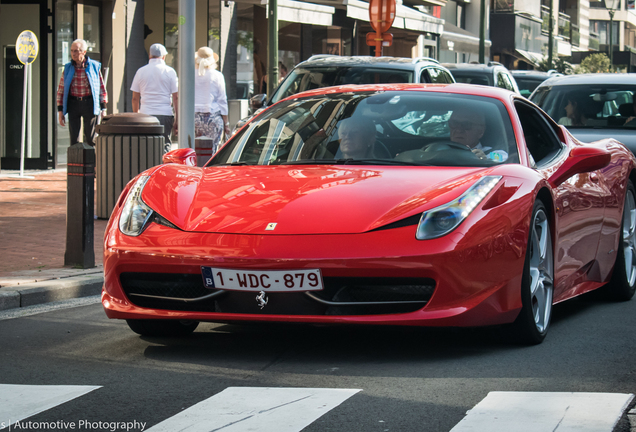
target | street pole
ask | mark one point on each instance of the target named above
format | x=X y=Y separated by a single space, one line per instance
x=611 y=30
x=272 y=48
x=482 y=32
x=550 y=35
x=185 y=114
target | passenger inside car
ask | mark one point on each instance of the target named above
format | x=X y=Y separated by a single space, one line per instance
x=629 y=110
x=357 y=138
x=574 y=115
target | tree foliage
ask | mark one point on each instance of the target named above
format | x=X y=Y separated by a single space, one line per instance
x=594 y=63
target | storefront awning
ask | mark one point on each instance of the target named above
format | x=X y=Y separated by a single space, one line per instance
x=458 y=34
x=405 y=17
x=529 y=56
x=303 y=13
x=462 y=41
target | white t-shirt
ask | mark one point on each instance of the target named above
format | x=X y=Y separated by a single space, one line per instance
x=155 y=83
x=496 y=155
x=209 y=92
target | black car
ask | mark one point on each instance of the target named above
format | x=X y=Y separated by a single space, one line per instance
x=592 y=106
x=492 y=74
x=528 y=80
x=330 y=70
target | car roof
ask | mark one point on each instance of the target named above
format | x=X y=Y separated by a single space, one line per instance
x=390 y=62
x=529 y=73
x=455 y=88
x=591 y=79
x=472 y=66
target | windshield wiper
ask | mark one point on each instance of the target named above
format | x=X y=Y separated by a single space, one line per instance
x=351 y=161
x=377 y=162
x=233 y=164
x=310 y=162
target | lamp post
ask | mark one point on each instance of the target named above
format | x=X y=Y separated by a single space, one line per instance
x=551 y=35
x=482 y=32
x=611 y=6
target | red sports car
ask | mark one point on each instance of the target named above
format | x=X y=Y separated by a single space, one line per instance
x=420 y=205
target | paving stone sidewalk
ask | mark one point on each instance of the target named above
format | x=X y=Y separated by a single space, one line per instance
x=33 y=241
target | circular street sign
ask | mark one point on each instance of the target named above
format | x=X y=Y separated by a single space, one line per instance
x=26 y=47
x=381 y=14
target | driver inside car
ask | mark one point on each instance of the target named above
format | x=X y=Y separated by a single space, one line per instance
x=467 y=127
x=357 y=139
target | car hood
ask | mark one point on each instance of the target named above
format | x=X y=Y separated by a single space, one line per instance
x=299 y=199
x=588 y=135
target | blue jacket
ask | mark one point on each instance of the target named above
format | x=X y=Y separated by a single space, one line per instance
x=92 y=72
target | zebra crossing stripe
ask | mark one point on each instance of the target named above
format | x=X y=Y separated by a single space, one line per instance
x=18 y=402
x=545 y=412
x=263 y=409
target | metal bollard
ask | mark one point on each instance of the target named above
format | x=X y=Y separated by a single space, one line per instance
x=80 y=203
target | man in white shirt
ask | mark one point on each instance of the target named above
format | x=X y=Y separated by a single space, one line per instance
x=154 y=87
x=467 y=127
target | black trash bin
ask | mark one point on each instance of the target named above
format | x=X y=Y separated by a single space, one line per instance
x=128 y=143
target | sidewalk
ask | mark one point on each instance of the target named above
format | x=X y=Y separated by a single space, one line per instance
x=33 y=242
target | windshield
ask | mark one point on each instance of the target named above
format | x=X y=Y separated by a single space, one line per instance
x=589 y=106
x=302 y=79
x=473 y=77
x=527 y=84
x=376 y=128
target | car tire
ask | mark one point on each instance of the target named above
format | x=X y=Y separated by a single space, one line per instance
x=623 y=283
x=537 y=283
x=162 y=327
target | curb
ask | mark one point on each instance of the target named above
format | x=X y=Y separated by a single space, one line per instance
x=50 y=291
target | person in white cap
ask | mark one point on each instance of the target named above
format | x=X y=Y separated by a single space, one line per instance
x=210 y=106
x=156 y=92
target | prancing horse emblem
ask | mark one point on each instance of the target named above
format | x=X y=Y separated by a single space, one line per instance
x=262 y=299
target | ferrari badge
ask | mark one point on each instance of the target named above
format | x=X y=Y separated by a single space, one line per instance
x=262 y=299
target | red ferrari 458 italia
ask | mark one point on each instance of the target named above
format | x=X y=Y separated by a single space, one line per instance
x=419 y=205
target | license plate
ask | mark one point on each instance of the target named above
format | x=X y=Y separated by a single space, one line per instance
x=269 y=280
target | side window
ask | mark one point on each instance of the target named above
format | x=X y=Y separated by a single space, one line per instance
x=503 y=81
x=448 y=78
x=439 y=76
x=425 y=76
x=541 y=140
x=500 y=81
x=513 y=83
x=508 y=80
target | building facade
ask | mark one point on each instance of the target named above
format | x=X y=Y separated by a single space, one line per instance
x=119 y=33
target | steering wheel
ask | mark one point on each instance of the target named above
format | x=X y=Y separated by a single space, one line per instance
x=445 y=145
x=381 y=151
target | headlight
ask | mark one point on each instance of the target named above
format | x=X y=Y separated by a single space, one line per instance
x=444 y=219
x=135 y=213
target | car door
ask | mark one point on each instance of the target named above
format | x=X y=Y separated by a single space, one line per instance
x=579 y=202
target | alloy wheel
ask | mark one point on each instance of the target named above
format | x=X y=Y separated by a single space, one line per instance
x=541 y=271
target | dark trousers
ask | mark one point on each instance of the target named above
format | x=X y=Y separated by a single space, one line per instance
x=78 y=110
x=168 y=123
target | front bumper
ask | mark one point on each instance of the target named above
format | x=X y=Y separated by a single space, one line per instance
x=468 y=278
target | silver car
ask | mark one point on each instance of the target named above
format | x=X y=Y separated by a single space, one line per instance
x=592 y=106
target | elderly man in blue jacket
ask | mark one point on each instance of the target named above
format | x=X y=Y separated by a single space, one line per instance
x=81 y=93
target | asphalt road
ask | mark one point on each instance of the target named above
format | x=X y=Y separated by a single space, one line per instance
x=400 y=379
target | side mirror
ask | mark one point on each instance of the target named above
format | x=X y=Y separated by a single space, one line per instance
x=257 y=101
x=182 y=156
x=581 y=160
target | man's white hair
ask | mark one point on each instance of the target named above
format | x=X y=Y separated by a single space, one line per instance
x=82 y=43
